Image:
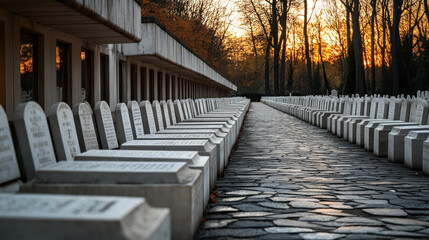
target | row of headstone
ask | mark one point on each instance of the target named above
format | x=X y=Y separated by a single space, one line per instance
x=176 y=181
x=397 y=128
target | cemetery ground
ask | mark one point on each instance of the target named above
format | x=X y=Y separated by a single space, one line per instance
x=291 y=180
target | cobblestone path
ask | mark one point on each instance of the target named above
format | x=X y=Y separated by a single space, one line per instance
x=291 y=180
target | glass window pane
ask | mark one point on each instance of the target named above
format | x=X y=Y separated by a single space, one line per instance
x=87 y=83
x=2 y=67
x=28 y=67
x=62 y=71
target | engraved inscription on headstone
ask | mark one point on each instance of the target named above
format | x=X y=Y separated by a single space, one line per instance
x=115 y=166
x=85 y=127
x=139 y=154
x=172 y=112
x=8 y=164
x=158 y=115
x=405 y=110
x=382 y=104
x=185 y=109
x=168 y=142
x=205 y=107
x=105 y=125
x=123 y=124
x=166 y=117
x=136 y=118
x=421 y=111
x=34 y=204
x=192 y=107
x=63 y=131
x=178 y=110
x=148 y=119
x=33 y=137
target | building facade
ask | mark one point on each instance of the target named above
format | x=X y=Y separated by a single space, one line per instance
x=87 y=50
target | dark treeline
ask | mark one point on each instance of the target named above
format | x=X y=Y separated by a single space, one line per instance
x=307 y=46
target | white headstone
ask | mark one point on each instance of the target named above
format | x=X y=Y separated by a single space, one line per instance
x=159 y=122
x=9 y=169
x=105 y=125
x=394 y=109
x=200 y=104
x=85 y=127
x=405 y=110
x=165 y=114
x=204 y=104
x=185 y=109
x=136 y=119
x=190 y=109
x=63 y=131
x=413 y=109
x=179 y=111
x=197 y=107
x=421 y=111
x=148 y=118
x=382 y=108
x=123 y=124
x=34 y=139
x=171 y=112
x=193 y=108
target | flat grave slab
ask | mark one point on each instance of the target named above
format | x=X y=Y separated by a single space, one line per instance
x=191 y=158
x=41 y=216
x=204 y=148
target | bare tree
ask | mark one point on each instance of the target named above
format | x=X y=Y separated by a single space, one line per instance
x=307 y=50
x=395 y=42
x=357 y=46
x=373 y=15
x=274 y=35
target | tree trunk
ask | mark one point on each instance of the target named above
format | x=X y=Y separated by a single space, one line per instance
x=267 y=69
x=426 y=8
x=395 y=45
x=357 y=46
x=349 y=38
x=325 y=77
x=275 y=33
x=283 y=59
x=307 y=51
x=374 y=12
x=291 y=66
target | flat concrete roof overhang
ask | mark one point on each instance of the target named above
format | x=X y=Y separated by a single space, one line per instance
x=161 y=48
x=105 y=21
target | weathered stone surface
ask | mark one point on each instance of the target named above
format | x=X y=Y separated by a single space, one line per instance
x=320 y=236
x=288 y=230
x=359 y=229
x=386 y=212
x=8 y=164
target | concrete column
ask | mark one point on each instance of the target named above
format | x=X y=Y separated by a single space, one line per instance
x=147 y=89
x=180 y=88
x=96 y=75
x=170 y=87
x=185 y=83
x=139 y=84
x=155 y=85
x=175 y=91
x=76 y=72
x=163 y=87
x=113 y=66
